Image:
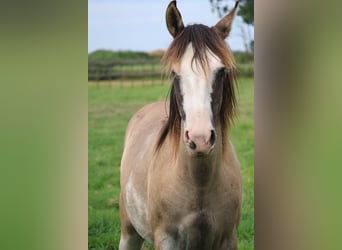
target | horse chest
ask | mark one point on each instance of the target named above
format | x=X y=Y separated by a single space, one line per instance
x=200 y=230
x=193 y=224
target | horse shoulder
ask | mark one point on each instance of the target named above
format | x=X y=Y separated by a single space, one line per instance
x=141 y=135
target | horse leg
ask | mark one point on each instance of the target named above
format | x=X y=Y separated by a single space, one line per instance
x=164 y=241
x=233 y=242
x=130 y=239
x=130 y=242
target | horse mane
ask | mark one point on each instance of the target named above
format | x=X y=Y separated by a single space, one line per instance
x=203 y=40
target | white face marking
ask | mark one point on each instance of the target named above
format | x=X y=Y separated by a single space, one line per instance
x=196 y=88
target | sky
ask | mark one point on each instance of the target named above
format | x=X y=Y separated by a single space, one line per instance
x=140 y=25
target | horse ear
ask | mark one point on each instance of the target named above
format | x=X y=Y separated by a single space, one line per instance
x=225 y=24
x=174 y=20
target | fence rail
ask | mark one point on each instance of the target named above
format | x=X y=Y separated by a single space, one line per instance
x=124 y=70
x=134 y=72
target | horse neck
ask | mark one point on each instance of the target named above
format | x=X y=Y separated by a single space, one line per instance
x=200 y=172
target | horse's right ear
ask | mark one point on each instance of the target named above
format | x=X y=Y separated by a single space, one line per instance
x=174 y=20
x=225 y=24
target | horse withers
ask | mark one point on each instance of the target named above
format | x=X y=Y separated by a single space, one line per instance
x=180 y=176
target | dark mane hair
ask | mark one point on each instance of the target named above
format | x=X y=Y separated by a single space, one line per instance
x=203 y=39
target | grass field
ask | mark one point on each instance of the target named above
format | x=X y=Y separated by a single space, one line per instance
x=109 y=112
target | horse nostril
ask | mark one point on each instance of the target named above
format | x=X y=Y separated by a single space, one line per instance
x=212 y=137
x=192 y=145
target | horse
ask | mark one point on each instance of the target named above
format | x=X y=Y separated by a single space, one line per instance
x=181 y=186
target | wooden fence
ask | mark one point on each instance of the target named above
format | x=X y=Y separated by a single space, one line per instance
x=144 y=72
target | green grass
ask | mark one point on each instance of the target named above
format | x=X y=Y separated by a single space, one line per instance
x=109 y=112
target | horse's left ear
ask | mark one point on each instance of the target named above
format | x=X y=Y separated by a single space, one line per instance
x=225 y=24
x=174 y=20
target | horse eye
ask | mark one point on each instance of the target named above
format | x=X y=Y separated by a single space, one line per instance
x=217 y=89
x=174 y=75
x=221 y=71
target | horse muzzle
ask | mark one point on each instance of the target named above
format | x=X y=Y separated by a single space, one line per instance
x=200 y=143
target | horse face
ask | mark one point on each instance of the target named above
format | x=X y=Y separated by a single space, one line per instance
x=200 y=95
x=199 y=100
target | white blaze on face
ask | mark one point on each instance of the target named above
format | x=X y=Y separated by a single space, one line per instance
x=196 y=90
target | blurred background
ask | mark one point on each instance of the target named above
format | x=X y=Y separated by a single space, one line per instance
x=46 y=109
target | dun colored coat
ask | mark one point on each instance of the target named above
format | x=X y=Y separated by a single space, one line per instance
x=180 y=176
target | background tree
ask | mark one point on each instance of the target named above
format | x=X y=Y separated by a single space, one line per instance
x=246 y=11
